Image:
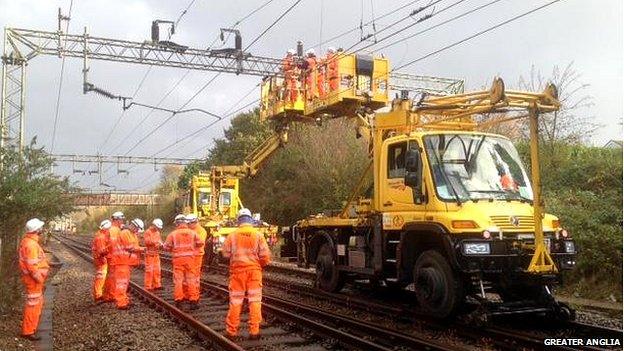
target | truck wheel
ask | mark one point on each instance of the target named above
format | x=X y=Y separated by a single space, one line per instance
x=438 y=292
x=328 y=278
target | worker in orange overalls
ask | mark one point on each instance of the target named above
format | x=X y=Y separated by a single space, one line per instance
x=248 y=253
x=34 y=266
x=321 y=73
x=193 y=223
x=311 y=70
x=98 y=251
x=153 y=242
x=125 y=256
x=290 y=80
x=332 y=69
x=117 y=220
x=183 y=243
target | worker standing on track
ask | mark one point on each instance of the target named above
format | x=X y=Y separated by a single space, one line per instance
x=183 y=243
x=290 y=80
x=248 y=253
x=331 y=61
x=193 y=223
x=153 y=242
x=34 y=266
x=117 y=224
x=98 y=250
x=126 y=256
x=311 y=72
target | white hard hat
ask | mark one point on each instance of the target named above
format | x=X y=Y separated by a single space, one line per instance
x=191 y=218
x=180 y=218
x=105 y=224
x=244 y=212
x=138 y=223
x=158 y=223
x=291 y=51
x=311 y=52
x=117 y=215
x=331 y=49
x=34 y=225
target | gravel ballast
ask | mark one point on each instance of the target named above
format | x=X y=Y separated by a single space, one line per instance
x=79 y=324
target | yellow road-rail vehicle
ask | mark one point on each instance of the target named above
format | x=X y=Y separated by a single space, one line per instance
x=452 y=211
x=215 y=200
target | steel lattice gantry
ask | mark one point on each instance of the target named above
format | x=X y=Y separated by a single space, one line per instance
x=22 y=45
x=123 y=159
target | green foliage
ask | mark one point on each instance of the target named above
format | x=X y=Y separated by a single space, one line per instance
x=583 y=187
x=27 y=189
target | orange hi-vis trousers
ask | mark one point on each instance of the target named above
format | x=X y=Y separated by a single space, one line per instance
x=33 y=305
x=122 y=280
x=109 y=284
x=250 y=282
x=152 y=271
x=99 y=279
x=185 y=280
x=199 y=260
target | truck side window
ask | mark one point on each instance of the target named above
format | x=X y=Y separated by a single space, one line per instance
x=396 y=160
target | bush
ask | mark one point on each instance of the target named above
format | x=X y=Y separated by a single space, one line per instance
x=27 y=189
x=583 y=187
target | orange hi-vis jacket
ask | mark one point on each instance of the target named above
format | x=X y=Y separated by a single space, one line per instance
x=247 y=249
x=126 y=249
x=111 y=241
x=182 y=242
x=203 y=235
x=32 y=259
x=152 y=241
x=288 y=64
x=98 y=247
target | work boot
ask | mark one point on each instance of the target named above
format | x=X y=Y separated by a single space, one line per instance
x=254 y=336
x=194 y=305
x=31 y=337
x=231 y=337
x=179 y=304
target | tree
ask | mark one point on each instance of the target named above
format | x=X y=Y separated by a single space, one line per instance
x=570 y=124
x=169 y=177
x=27 y=189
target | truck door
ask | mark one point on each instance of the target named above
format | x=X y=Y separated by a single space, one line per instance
x=395 y=195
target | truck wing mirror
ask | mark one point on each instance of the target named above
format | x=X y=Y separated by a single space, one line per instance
x=413 y=171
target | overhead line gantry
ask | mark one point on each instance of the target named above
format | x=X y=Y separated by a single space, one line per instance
x=22 y=45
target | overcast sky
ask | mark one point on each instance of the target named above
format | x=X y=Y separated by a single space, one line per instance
x=586 y=32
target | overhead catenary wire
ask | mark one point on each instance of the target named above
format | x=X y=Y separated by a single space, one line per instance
x=489 y=29
x=149 y=70
x=272 y=24
x=454 y=18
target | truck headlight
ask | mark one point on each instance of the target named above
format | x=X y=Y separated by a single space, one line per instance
x=221 y=239
x=476 y=248
x=569 y=246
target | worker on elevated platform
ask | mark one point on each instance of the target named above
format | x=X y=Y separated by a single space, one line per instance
x=311 y=71
x=248 y=253
x=153 y=243
x=98 y=251
x=331 y=61
x=117 y=223
x=183 y=243
x=289 y=67
x=193 y=223
x=34 y=267
x=321 y=74
x=126 y=256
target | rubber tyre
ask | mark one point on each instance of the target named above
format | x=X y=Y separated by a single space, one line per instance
x=438 y=291
x=328 y=277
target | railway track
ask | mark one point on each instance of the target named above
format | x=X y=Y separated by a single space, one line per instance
x=289 y=325
x=504 y=337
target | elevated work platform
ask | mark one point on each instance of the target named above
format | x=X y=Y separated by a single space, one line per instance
x=348 y=82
